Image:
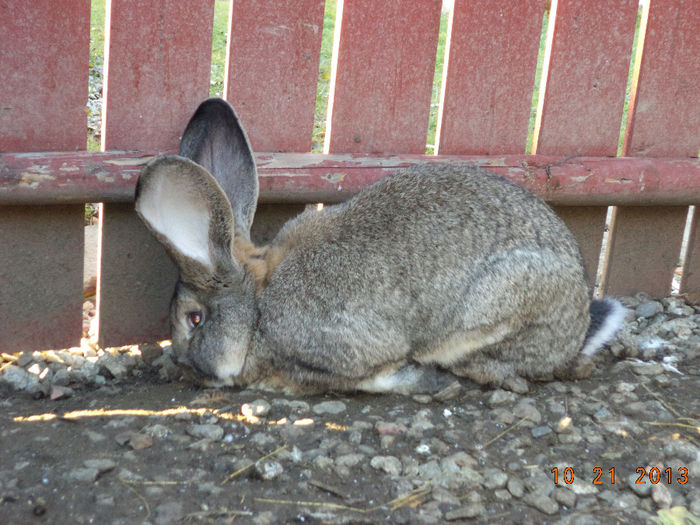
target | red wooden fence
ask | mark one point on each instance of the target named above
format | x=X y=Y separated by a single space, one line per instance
x=157 y=71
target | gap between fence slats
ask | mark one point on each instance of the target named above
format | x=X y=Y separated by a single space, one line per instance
x=381 y=80
x=690 y=278
x=272 y=70
x=485 y=105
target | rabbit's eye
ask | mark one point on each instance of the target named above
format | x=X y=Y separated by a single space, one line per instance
x=194 y=319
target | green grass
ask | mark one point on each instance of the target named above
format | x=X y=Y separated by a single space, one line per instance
x=324 y=77
x=437 y=84
x=218 y=48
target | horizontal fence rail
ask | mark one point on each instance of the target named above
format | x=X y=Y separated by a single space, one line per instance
x=48 y=178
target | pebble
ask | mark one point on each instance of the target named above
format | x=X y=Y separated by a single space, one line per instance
x=213 y=432
x=661 y=496
x=257 y=408
x=389 y=464
x=329 y=407
x=83 y=475
x=542 y=503
x=467 y=512
x=648 y=309
x=268 y=470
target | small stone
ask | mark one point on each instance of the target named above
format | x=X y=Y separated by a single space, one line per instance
x=349 y=460
x=124 y=437
x=565 y=497
x=329 y=407
x=647 y=369
x=389 y=464
x=101 y=465
x=642 y=490
x=83 y=475
x=257 y=408
x=526 y=410
x=661 y=496
x=423 y=399
x=495 y=478
x=515 y=487
x=499 y=397
x=150 y=352
x=542 y=503
x=516 y=384
x=24 y=359
x=467 y=512
x=140 y=441
x=388 y=428
x=60 y=392
x=540 y=431
x=18 y=377
x=648 y=309
x=268 y=470
x=213 y=432
x=113 y=365
x=169 y=512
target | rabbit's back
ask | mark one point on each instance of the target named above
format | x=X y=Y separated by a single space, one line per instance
x=414 y=260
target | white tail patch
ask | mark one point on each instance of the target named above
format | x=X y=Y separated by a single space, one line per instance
x=612 y=323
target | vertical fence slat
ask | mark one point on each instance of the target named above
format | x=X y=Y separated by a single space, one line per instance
x=43 y=90
x=44 y=75
x=587 y=77
x=157 y=73
x=488 y=92
x=587 y=224
x=382 y=76
x=665 y=122
x=584 y=97
x=273 y=57
x=41 y=277
x=666 y=119
x=644 y=249
x=158 y=56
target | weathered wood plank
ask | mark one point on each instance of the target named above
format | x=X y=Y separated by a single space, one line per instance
x=157 y=61
x=382 y=75
x=287 y=177
x=666 y=119
x=44 y=83
x=644 y=249
x=41 y=277
x=490 y=63
x=588 y=70
x=587 y=223
x=272 y=70
x=136 y=284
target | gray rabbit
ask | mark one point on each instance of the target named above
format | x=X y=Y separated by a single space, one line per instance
x=433 y=271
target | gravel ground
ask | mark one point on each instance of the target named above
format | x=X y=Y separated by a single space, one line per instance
x=93 y=436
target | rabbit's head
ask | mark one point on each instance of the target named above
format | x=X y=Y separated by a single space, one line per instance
x=200 y=205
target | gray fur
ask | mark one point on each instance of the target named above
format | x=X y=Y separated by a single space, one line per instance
x=443 y=266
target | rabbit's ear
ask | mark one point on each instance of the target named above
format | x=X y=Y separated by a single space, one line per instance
x=214 y=139
x=187 y=211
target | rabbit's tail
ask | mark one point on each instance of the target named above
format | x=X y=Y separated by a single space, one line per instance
x=607 y=317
